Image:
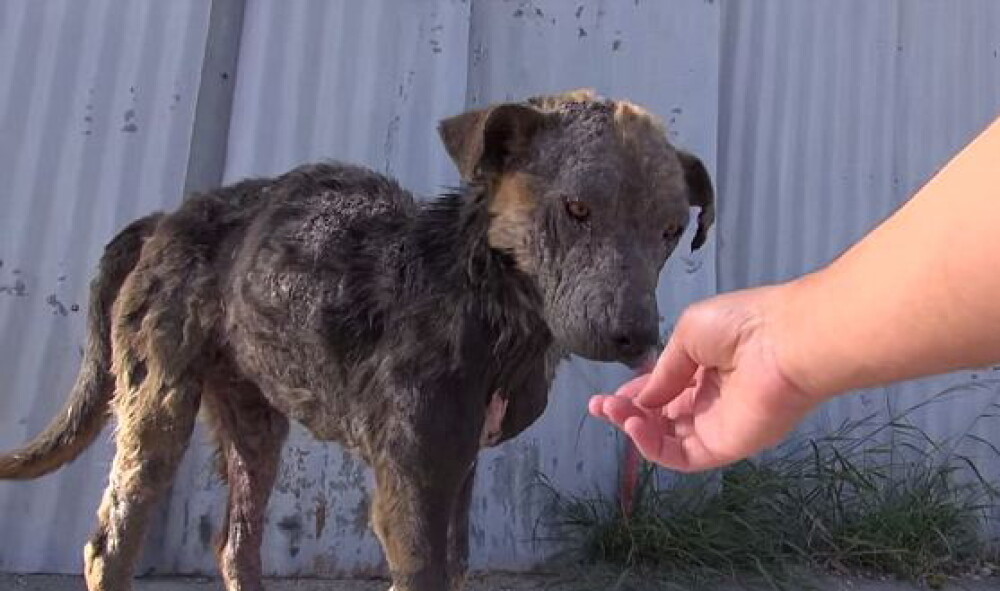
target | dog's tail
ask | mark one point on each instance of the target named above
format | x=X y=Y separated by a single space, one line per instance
x=87 y=409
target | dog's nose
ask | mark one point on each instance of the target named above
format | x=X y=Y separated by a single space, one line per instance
x=636 y=347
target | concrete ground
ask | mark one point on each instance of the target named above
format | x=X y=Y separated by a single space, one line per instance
x=492 y=582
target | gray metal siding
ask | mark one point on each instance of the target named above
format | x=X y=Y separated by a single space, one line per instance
x=96 y=114
x=832 y=113
x=816 y=118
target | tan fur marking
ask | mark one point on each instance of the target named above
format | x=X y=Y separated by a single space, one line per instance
x=512 y=207
x=392 y=518
x=556 y=101
x=631 y=120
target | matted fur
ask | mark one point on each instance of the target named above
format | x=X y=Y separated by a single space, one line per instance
x=329 y=296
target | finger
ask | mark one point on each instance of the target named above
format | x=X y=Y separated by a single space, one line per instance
x=673 y=372
x=628 y=390
x=701 y=390
x=682 y=453
x=596 y=405
x=648 y=439
x=632 y=387
x=683 y=405
x=618 y=410
x=707 y=335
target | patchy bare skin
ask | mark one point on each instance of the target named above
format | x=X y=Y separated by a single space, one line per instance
x=330 y=296
x=493 y=423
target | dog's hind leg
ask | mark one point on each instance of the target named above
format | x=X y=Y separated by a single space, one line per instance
x=155 y=424
x=161 y=322
x=250 y=434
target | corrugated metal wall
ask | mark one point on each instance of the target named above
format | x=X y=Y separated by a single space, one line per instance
x=826 y=115
x=832 y=113
x=97 y=103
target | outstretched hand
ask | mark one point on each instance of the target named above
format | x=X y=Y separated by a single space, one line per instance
x=717 y=393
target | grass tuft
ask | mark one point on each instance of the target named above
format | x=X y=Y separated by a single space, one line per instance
x=869 y=499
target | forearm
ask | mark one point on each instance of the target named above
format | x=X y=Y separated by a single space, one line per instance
x=919 y=295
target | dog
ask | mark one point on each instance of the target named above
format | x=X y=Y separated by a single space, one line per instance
x=412 y=332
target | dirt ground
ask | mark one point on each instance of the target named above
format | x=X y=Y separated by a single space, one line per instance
x=491 y=582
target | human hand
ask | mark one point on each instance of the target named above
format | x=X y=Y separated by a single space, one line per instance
x=718 y=393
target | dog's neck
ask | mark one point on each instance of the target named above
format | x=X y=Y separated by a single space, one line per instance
x=452 y=246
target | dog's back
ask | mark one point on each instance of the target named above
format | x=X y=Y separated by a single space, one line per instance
x=255 y=236
x=321 y=262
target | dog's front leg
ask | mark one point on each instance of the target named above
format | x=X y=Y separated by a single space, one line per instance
x=410 y=516
x=423 y=480
x=458 y=534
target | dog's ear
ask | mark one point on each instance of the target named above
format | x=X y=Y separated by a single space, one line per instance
x=700 y=194
x=483 y=141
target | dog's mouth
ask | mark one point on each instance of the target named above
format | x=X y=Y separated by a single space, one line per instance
x=645 y=362
x=641 y=361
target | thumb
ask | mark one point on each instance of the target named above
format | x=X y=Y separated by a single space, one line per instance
x=706 y=335
x=672 y=374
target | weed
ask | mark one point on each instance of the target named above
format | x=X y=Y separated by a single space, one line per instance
x=845 y=502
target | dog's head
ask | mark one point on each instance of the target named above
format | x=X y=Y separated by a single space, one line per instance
x=589 y=198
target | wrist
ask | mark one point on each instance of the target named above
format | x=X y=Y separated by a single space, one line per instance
x=798 y=336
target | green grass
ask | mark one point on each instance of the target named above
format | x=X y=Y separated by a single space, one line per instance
x=868 y=499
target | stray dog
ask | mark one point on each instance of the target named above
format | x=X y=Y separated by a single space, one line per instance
x=412 y=332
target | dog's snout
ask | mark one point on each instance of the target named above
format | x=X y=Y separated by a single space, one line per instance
x=637 y=345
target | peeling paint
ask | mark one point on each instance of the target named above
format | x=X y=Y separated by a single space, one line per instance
x=187 y=517
x=692 y=265
x=18 y=289
x=205 y=531
x=320 y=515
x=291 y=526
x=57 y=307
x=130 y=125
x=362 y=512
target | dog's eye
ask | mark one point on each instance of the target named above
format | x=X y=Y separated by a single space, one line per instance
x=673 y=231
x=578 y=210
